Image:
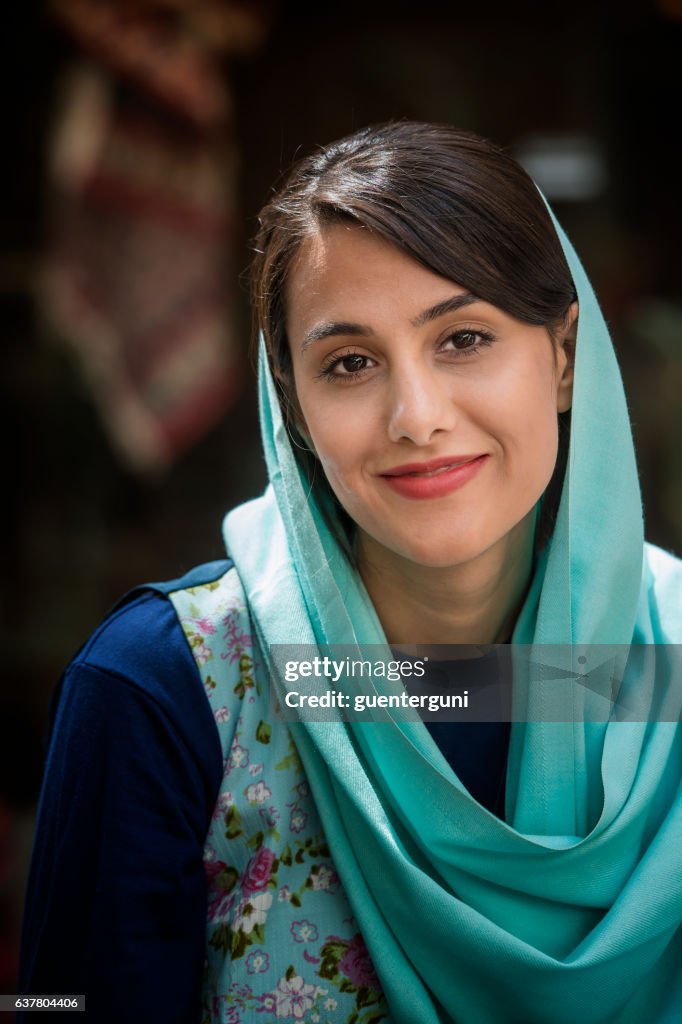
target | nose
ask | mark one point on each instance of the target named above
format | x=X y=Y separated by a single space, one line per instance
x=420 y=405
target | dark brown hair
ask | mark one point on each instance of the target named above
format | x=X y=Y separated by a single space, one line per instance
x=453 y=201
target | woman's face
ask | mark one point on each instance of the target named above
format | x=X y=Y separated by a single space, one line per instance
x=434 y=414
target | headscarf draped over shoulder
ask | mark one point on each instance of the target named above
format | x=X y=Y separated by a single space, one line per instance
x=571 y=909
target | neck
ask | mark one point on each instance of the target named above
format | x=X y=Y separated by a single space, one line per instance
x=476 y=602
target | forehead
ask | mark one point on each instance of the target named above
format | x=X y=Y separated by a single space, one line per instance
x=343 y=269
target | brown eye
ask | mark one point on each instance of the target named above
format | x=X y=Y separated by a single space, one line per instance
x=467 y=342
x=345 y=369
x=352 y=364
x=464 y=339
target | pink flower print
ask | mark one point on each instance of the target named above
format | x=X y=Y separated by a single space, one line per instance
x=255 y=769
x=201 y=652
x=243 y=991
x=322 y=876
x=257 y=962
x=357 y=965
x=284 y=894
x=209 y=854
x=223 y=803
x=297 y=820
x=239 y=757
x=237 y=640
x=252 y=911
x=293 y=997
x=204 y=626
x=269 y=816
x=213 y=866
x=220 y=904
x=303 y=931
x=257 y=793
x=218 y=1002
x=268 y=1003
x=225 y=800
x=220 y=899
x=258 y=870
x=222 y=714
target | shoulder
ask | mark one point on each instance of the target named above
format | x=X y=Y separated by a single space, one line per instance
x=142 y=631
x=137 y=664
x=141 y=636
x=664 y=579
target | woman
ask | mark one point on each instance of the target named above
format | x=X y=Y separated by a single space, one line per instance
x=427 y=332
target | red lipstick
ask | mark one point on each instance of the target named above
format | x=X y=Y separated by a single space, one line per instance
x=435 y=478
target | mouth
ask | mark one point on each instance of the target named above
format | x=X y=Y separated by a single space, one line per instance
x=434 y=479
x=435 y=467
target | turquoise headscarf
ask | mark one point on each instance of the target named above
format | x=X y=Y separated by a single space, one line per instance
x=571 y=909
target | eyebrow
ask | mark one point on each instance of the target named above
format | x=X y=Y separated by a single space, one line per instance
x=331 y=328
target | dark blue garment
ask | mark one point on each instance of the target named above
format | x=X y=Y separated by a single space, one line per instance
x=477 y=751
x=116 y=905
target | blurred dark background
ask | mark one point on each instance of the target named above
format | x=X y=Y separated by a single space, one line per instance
x=141 y=139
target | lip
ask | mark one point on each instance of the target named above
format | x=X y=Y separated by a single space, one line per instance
x=435 y=478
x=432 y=465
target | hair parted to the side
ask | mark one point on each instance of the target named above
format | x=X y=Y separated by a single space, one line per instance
x=454 y=202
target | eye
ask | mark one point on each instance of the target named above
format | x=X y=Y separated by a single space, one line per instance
x=467 y=341
x=349 y=365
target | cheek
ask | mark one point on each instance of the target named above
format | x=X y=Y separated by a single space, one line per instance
x=340 y=452
x=340 y=441
x=528 y=427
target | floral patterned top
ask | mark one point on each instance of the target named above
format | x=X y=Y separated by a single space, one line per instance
x=282 y=942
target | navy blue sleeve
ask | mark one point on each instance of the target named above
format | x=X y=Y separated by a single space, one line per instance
x=116 y=904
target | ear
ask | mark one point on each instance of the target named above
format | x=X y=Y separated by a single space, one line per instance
x=565 y=340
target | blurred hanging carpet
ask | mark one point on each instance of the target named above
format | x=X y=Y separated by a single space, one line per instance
x=138 y=274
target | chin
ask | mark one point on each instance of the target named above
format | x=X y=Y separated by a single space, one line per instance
x=446 y=554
